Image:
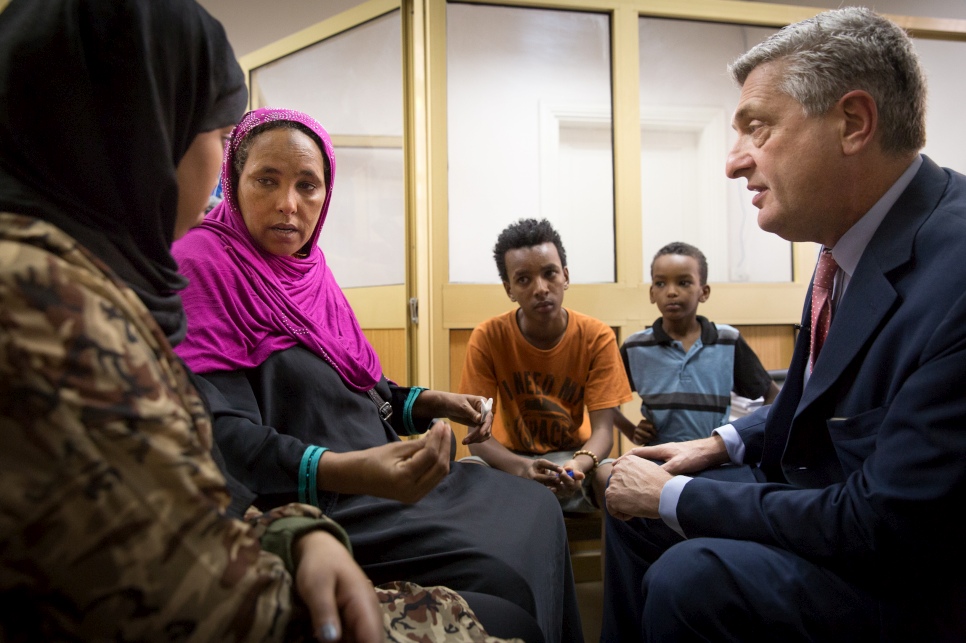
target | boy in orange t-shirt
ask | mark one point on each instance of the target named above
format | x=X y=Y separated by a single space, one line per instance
x=545 y=365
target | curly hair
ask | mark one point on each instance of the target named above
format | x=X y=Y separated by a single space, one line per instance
x=526 y=233
x=687 y=250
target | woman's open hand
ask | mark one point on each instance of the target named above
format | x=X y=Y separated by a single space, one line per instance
x=404 y=471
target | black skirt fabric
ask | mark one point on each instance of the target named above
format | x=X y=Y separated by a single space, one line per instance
x=480 y=530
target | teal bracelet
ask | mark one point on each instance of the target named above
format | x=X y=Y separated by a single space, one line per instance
x=308 y=475
x=408 y=409
x=314 y=476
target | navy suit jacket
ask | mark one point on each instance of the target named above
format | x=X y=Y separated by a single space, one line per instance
x=866 y=464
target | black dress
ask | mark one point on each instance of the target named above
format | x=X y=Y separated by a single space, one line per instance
x=480 y=530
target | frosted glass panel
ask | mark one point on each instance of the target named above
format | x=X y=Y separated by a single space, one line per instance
x=687 y=99
x=369 y=211
x=945 y=125
x=352 y=84
x=529 y=134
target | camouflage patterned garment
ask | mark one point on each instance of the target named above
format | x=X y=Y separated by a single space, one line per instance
x=110 y=504
x=418 y=614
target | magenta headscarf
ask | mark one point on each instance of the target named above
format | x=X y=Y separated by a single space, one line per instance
x=243 y=303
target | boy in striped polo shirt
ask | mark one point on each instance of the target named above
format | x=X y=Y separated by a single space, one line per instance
x=685 y=367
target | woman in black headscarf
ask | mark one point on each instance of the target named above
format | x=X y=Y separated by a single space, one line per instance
x=113 y=116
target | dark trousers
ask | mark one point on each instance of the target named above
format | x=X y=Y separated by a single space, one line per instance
x=661 y=587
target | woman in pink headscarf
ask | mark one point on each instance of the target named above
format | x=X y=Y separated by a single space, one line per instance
x=304 y=413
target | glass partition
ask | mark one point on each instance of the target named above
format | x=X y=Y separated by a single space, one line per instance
x=687 y=100
x=529 y=134
x=352 y=84
x=945 y=126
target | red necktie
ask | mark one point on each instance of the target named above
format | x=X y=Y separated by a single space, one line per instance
x=822 y=302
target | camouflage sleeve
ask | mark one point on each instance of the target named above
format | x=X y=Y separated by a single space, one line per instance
x=281 y=527
x=111 y=523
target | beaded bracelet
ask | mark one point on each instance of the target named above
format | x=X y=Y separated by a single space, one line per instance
x=591 y=454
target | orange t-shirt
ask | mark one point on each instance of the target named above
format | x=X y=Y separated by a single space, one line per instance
x=540 y=395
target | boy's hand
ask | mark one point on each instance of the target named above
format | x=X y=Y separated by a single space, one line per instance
x=552 y=476
x=644 y=432
x=571 y=478
x=641 y=434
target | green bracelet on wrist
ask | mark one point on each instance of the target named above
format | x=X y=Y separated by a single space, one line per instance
x=408 y=409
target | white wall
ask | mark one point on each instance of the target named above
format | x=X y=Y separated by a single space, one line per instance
x=945 y=125
x=352 y=84
x=508 y=71
x=252 y=24
x=483 y=202
x=677 y=76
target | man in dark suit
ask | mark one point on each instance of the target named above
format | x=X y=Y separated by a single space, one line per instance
x=837 y=512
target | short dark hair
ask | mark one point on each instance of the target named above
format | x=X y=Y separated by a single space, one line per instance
x=687 y=250
x=245 y=146
x=526 y=233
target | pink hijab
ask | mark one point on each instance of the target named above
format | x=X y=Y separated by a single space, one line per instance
x=243 y=303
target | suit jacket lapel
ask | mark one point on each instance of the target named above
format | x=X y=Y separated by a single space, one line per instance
x=866 y=304
x=870 y=295
x=869 y=300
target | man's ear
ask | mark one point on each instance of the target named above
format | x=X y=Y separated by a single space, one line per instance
x=705 y=293
x=506 y=287
x=566 y=273
x=860 y=120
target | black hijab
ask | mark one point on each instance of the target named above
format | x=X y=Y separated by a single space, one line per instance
x=99 y=101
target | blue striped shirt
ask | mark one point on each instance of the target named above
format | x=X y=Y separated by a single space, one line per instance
x=688 y=394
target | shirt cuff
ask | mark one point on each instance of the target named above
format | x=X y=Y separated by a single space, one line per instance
x=732 y=442
x=668 y=505
x=281 y=535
